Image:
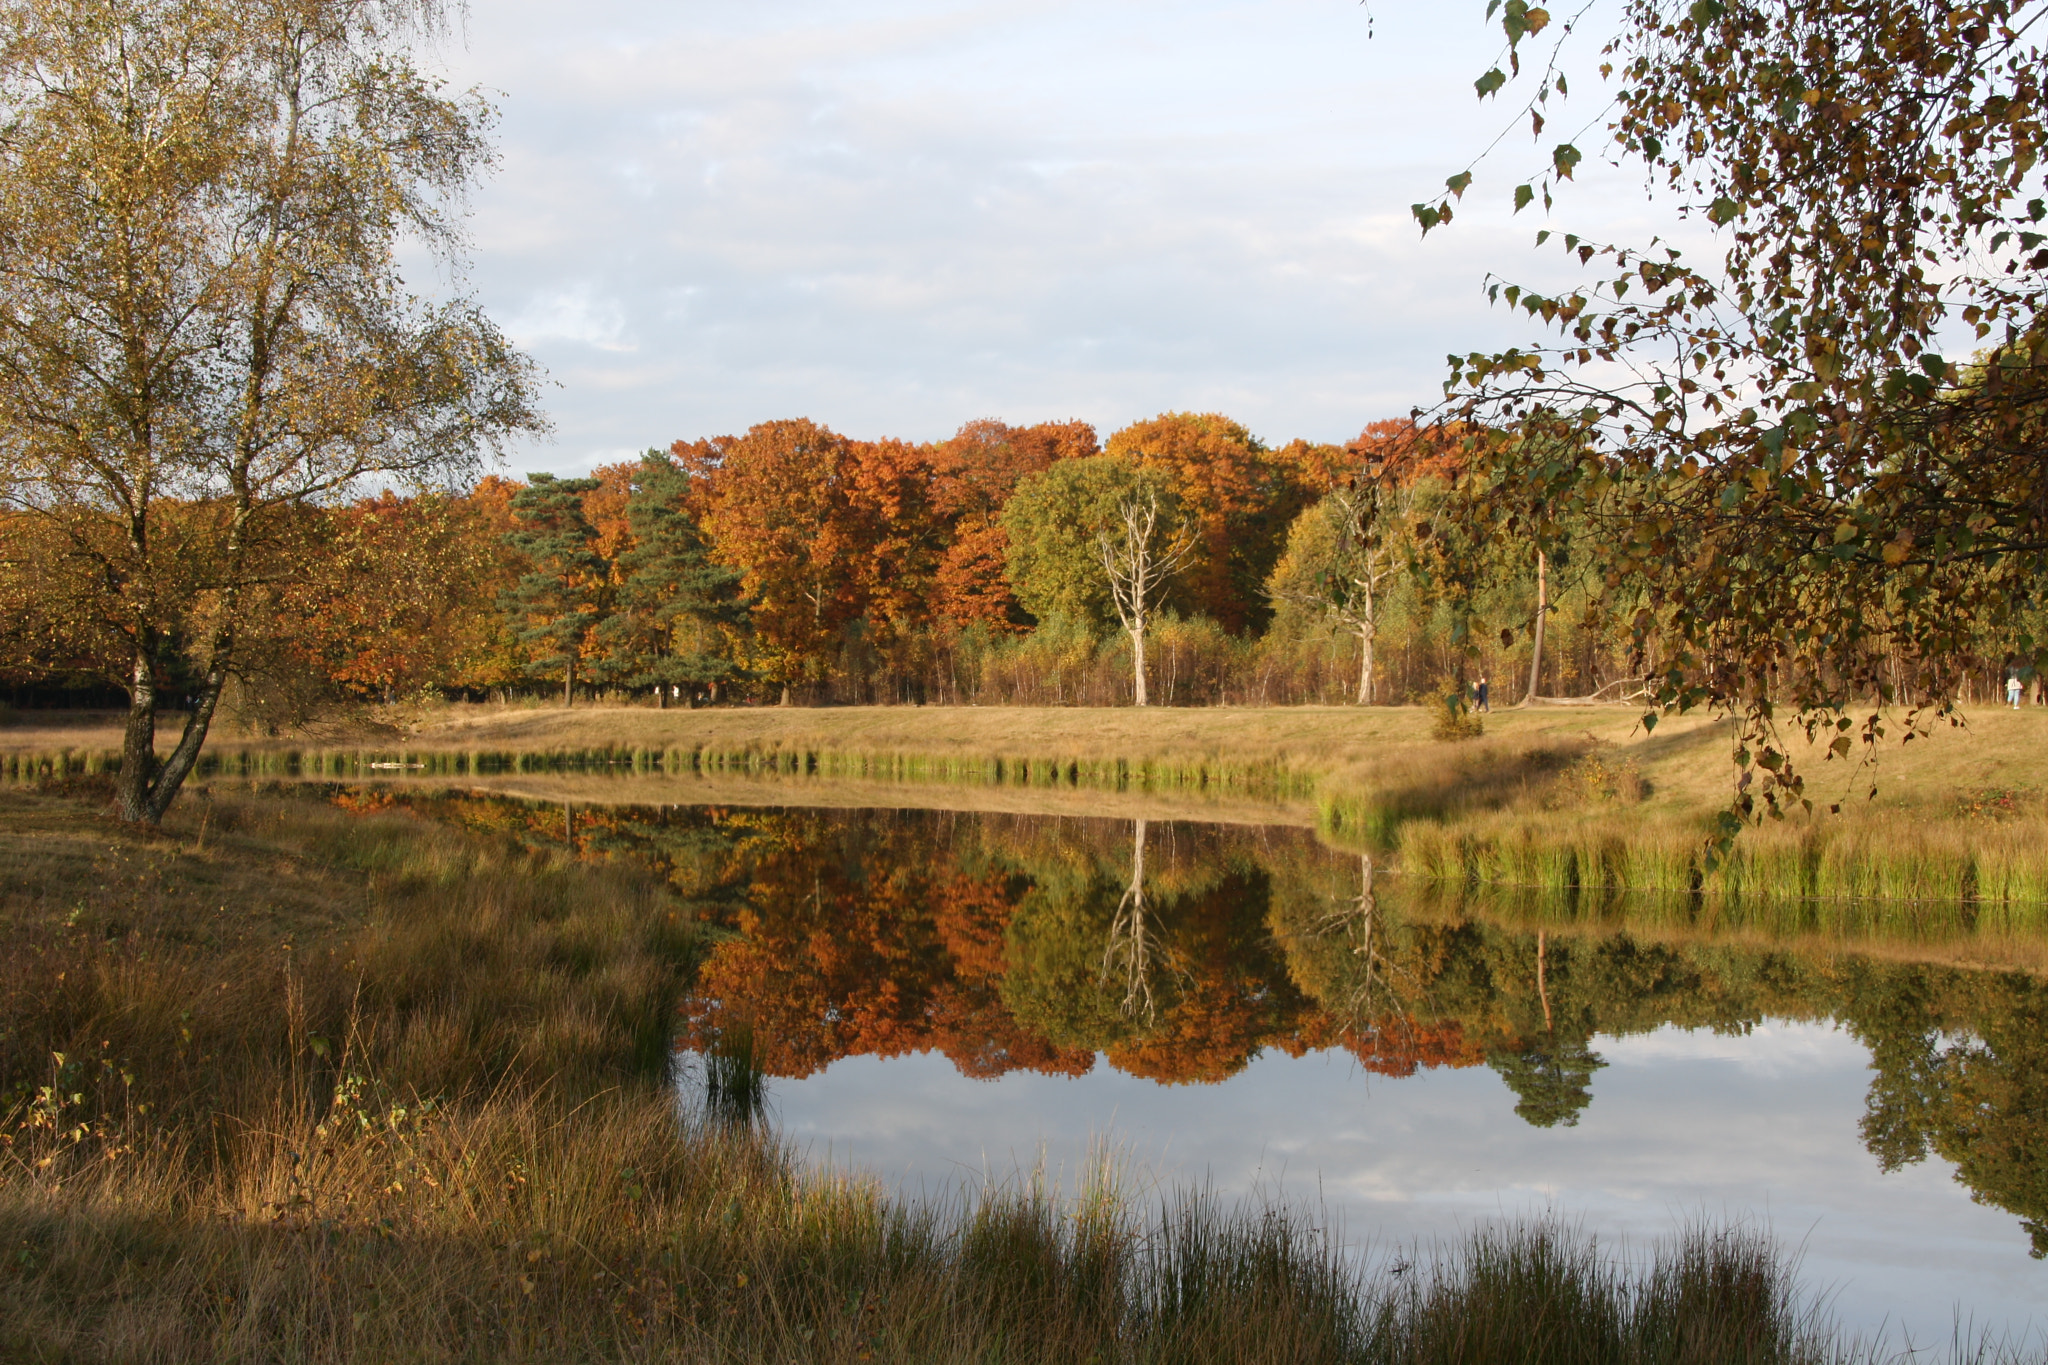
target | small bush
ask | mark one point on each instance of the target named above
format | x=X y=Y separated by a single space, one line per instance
x=1598 y=780
x=1452 y=719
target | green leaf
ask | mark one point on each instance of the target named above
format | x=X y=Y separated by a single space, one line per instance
x=1705 y=12
x=1524 y=196
x=1723 y=211
x=1459 y=183
x=1490 y=82
x=1564 y=157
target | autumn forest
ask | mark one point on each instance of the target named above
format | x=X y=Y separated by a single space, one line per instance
x=794 y=564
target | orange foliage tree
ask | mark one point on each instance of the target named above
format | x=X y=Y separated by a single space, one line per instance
x=1238 y=497
x=898 y=537
x=405 y=602
x=974 y=475
x=775 y=504
x=858 y=937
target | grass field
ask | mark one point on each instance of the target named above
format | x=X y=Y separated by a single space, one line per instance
x=289 y=1082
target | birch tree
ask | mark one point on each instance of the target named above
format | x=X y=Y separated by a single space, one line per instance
x=204 y=330
x=1141 y=551
x=1781 y=443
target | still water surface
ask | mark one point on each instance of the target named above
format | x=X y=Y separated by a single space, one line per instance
x=943 y=997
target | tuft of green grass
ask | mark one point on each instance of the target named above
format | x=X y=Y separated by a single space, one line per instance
x=735 y=1083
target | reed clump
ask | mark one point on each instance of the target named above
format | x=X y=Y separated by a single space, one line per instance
x=522 y=1229
x=1874 y=876
x=735 y=1079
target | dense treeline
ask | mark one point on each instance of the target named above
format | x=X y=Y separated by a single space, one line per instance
x=1006 y=565
x=795 y=564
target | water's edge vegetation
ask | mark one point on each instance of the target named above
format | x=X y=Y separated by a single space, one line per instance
x=1551 y=814
x=287 y=1081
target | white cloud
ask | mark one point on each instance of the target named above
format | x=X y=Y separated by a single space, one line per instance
x=575 y=315
x=899 y=216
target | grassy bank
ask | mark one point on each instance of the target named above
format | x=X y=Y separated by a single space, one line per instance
x=288 y=1081
x=1562 y=799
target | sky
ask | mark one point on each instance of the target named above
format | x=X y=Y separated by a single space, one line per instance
x=897 y=216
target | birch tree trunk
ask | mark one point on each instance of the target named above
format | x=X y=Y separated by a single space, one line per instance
x=1542 y=612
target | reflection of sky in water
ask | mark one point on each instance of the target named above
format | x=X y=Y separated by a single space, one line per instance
x=1681 y=1124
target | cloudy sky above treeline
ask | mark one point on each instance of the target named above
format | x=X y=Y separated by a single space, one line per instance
x=894 y=216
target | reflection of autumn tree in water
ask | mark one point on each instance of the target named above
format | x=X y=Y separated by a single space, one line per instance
x=1367 y=967
x=1128 y=958
x=1552 y=1078
x=1231 y=995
x=845 y=945
x=1962 y=1071
x=985 y=937
x=1164 y=966
x=1550 y=1073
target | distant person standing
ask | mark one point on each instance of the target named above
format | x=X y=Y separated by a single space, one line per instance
x=2012 y=689
x=1482 y=696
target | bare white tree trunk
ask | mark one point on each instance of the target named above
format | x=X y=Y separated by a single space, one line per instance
x=1542 y=611
x=1368 y=632
x=1138 y=660
x=1137 y=569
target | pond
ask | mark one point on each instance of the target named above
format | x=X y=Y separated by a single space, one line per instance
x=946 y=996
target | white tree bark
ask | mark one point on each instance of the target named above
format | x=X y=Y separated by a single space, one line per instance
x=1138 y=568
x=1129 y=953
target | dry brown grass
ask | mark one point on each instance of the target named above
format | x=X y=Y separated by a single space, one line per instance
x=1685 y=761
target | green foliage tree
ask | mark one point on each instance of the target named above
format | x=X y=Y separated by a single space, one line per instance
x=1096 y=540
x=565 y=594
x=1822 y=512
x=1051 y=523
x=204 y=330
x=673 y=600
x=1345 y=558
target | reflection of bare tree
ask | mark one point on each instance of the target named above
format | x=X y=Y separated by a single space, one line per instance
x=1129 y=953
x=1375 y=991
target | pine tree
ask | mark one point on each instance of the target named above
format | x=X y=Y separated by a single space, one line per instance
x=564 y=596
x=673 y=598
